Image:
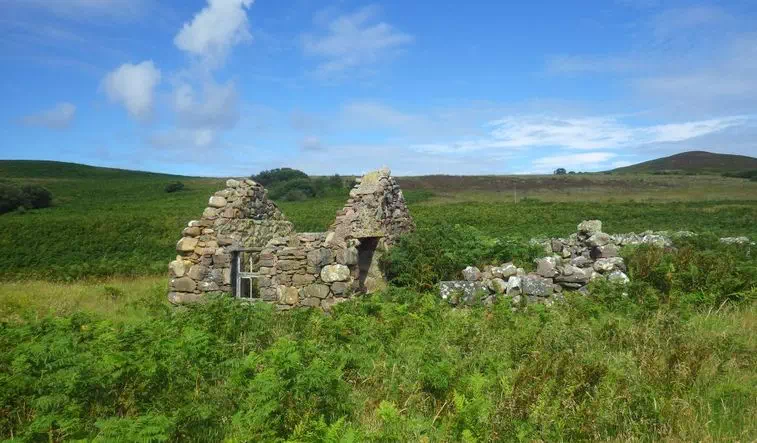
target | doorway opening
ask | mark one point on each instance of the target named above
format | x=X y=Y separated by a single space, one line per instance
x=365 y=253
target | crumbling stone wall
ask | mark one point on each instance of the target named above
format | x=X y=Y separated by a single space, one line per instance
x=570 y=264
x=239 y=216
x=294 y=269
x=376 y=209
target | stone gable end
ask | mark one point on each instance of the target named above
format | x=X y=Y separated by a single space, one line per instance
x=290 y=269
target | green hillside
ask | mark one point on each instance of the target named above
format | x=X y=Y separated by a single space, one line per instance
x=109 y=222
x=38 y=169
x=699 y=162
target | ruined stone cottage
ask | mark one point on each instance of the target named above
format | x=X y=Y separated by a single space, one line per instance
x=244 y=245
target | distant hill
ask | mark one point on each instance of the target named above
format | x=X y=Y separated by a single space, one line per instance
x=699 y=162
x=52 y=169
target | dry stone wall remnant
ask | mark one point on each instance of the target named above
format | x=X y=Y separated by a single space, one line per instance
x=570 y=264
x=291 y=269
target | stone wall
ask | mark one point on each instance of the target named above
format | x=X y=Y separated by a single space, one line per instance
x=240 y=216
x=294 y=269
x=376 y=208
x=570 y=264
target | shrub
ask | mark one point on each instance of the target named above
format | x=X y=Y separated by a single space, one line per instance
x=271 y=176
x=423 y=258
x=749 y=174
x=280 y=190
x=174 y=187
x=36 y=196
x=10 y=197
x=27 y=196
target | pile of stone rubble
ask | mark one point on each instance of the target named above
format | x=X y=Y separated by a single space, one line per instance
x=571 y=264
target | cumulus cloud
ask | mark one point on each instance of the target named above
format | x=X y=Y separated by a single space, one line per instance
x=354 y=40
x=133 y=86
x=216 y=108
x=59 y=117
x=215 y=29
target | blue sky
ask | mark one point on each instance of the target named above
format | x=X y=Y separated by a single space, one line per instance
x=231 y=87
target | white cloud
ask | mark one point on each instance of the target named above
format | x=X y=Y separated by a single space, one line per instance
x=133 y=87
x=354 y=40
x=582 y=161
x=216 y=108
x=215 y=29
x=59 y=117
x=580 y=133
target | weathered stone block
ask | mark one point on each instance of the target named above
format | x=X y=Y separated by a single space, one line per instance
x=547 y=266
x=537 y=285
x=289 y=265
x=339 y=288
x=574 y=274
x=505 y=271
x=590 y=227
x=514 y=285
x=312 y=302
x=347 y=256
x=618 y=277
x=303 y=279
x=216 y=201
x=179 y=298
x=186 y=244
x=320 y=257
x=183 y=284
x=288 y=295
x=605 y=251
x=209 y=286
x=598 y=239
x=471 y=273
x=465 y=292
x=197 y=272
x=191 y=232
x=334 y=273
x=210 y=213
x=609 y=264
x=177 y=268
x=497 y=285
x=315 y=290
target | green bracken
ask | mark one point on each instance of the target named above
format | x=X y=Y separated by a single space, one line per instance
x=670 y=356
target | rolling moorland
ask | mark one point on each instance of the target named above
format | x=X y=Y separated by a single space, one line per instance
x=90 y=349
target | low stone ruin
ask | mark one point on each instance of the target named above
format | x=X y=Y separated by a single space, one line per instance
x=588 y=255
x=571 y=264
x=244 y=245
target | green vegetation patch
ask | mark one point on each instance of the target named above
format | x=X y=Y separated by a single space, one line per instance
x=670 y=357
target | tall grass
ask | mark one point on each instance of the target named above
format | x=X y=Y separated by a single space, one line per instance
x=670 y=357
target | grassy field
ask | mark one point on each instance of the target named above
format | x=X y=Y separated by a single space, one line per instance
x=107 y=223
x=90 y=349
